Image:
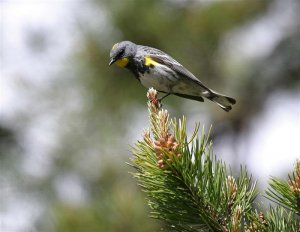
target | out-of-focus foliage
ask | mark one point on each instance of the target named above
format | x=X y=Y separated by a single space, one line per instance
x=115 y=206
x=93 y=138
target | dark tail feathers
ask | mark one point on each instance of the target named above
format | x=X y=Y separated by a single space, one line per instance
x=223 y=101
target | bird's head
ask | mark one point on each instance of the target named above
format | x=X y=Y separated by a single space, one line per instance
x=122 y=52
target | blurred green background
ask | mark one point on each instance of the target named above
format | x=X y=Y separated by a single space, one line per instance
x=67 y=120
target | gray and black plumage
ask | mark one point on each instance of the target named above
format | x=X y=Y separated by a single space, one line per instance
x=154 y=68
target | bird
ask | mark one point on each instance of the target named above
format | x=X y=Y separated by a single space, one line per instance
x=154 y=68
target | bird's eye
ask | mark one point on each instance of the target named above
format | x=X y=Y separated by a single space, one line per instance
x=121 y=53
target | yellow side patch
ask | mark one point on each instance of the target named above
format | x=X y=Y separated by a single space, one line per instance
x=149 y=61
x=115 y=46
x=122 y=62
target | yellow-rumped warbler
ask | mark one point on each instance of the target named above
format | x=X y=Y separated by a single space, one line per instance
x=154 y=68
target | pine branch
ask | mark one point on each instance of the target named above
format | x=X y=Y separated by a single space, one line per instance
x=277 y=219
x=286 y=193
x=186 y=185
x=191 y=190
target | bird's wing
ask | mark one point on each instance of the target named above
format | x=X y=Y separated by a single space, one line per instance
x=162 y=58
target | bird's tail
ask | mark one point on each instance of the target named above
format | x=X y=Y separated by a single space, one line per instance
x=223 y=101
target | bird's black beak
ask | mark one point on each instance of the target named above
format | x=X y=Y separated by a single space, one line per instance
x=112 y=60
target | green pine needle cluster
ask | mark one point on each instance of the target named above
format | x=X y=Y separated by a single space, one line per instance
x=189 y=189
x=286 y=193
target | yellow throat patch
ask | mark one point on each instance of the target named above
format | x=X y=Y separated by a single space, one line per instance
x=122 y=62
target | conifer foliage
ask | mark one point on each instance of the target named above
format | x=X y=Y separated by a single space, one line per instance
x=189 y=189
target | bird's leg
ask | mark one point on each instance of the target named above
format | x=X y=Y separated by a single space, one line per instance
x=160 y=99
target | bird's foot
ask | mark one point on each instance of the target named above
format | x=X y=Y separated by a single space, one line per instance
x=163 y=97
